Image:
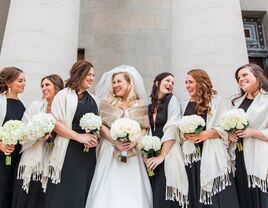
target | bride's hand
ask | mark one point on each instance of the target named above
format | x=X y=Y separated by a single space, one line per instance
x=153 y=162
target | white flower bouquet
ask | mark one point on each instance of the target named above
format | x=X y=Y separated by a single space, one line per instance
x=91 y=123
x=234 y=119
x=150 y=146
x=124 y=129
x=11 y=134
x=39 y=126
x=192 y=124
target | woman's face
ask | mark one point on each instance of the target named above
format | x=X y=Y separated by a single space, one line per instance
x=17 y=86
x=48 y=89
x=166 y=86
x=191 y=85
x=247 y=81
x=120 y=86
x=87 y=82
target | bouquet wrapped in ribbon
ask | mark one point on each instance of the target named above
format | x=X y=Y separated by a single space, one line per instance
x=39 y=126
x=91 y=123
x=11 y=134
x=151 y=147
x=125 y=130
x=234 y=119
x=192 y=124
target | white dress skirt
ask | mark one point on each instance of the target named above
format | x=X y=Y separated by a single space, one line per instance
x=119 y=185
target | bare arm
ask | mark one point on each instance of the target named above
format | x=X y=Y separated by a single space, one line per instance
x=89 y=140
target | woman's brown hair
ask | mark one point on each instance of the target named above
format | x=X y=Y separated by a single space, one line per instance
x=78 y=72
x=8 y=75
x=258 y=72
x=205 y=91
x=56 y=80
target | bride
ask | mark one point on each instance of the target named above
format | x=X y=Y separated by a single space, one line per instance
x=117 y=184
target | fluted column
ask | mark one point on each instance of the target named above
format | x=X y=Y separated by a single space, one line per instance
x=41 y=37
x=207 y=34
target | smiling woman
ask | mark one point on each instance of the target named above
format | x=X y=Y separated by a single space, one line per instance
x=12 y=83
x=250 y=165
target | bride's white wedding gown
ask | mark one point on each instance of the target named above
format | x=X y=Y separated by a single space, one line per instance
x=119 y=185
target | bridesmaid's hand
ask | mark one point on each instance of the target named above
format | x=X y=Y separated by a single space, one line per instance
x=89 y=140
x=233 y=137
x=245 y=133
x=202 y=136
x=190 y=137
x=153 y=162
x=6 y=148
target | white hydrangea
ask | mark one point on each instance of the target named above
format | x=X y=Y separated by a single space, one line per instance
x=40 y=125
x=234 y=119
x=150 y=143
x=190 y=124
x=91 y=123
x=11 y=132
x=123 y=128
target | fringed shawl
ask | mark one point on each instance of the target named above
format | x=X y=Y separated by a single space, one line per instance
x=215 y=161
x=176 y=177
x=34 y=152
x=255 y=150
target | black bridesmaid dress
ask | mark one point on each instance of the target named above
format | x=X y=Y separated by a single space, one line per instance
x=224 y=199
x=78 y=167
x=158 y=181
x=248 y=197
x=15 y=110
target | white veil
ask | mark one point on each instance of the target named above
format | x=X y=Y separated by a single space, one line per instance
x=103 y=87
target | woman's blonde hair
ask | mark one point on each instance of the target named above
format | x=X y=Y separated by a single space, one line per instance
x=115 y=100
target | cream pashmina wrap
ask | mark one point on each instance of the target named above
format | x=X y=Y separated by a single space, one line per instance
x=3 y=106
x=255 y=150
x=215 y=161
x=176 y=177
x=34 y=152
x=63 y=108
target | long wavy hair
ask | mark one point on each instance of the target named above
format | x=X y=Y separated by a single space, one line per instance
x=258 y=72
x=78 y=72
x=8 y=75
x=156 y=103
x=204 y=89
x=115 y=100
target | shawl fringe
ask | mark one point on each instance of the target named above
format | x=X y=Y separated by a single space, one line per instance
x=219 y=184
x=174 y=194
x=254 y=181
x=190 y=158
x=25 y=173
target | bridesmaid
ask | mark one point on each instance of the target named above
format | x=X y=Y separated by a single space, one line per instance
x=12 y=83
x=70 y=169
x=28 y=191
x=164 y=109
x=210 y=179
x=251 y=162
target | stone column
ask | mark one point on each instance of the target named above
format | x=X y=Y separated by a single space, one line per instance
x=207 y=34
x=41 y=37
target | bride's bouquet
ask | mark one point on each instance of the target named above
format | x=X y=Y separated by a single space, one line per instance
x=10 y=134
x=192 y=124
x=124 y=129
x=91 y=123
x=234 y=119
x=151 y=147
x=39 y=126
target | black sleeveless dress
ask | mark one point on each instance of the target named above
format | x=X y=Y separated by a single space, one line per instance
x=226 y=198
x=15 y=110
x=248 y=197
x=158 y=181
x=78 y=167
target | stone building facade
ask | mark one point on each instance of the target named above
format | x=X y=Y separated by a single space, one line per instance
x=46 y=36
